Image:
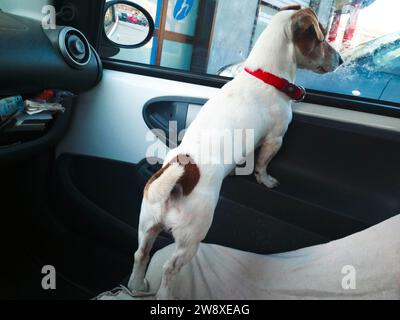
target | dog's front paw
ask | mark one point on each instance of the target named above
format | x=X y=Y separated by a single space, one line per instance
x=267 y=180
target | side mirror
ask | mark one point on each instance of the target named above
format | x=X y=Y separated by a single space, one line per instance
x=127 y=25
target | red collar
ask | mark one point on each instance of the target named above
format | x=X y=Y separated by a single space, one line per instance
x=293 y=91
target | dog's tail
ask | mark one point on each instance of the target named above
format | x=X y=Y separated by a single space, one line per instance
x=160 y=186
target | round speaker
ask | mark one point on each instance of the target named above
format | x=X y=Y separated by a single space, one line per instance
x=74 y=47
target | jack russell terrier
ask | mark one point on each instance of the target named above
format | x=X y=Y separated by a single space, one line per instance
x=182 y=196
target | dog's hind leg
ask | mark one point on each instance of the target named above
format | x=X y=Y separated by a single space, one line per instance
x=188 y=232
x=184 y=252
x=149 y=229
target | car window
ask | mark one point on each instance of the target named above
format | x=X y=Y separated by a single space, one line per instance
x=215 y=37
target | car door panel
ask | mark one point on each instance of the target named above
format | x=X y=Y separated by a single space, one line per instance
x=115 y=128
x=109 y=193
x=328 y=168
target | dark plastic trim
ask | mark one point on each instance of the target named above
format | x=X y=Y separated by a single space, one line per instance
x=39 y=49
x=164 y=73
x=19 y=152
x=108 y=226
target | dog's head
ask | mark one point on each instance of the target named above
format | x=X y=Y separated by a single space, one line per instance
x=312 y=50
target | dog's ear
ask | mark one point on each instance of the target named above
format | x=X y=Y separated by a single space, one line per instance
x=306 y=20
x=291 y=7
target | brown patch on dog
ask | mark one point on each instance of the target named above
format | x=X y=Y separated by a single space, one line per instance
x=191 y=176
x=308 y=33
x=291 y=7
x=189 y=179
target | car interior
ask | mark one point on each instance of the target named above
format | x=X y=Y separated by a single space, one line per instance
x=72 y=183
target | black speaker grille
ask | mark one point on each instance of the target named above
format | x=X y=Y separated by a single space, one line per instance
x=74 y=47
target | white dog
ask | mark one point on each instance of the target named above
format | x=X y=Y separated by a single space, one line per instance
x=182 y=196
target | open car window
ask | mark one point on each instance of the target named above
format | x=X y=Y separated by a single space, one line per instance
x=214 y=37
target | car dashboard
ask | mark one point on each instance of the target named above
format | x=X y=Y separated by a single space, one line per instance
x=35 y=60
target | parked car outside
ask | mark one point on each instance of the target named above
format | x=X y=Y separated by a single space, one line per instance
x=143 y=21
x=123 y=16
x=133 y=19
